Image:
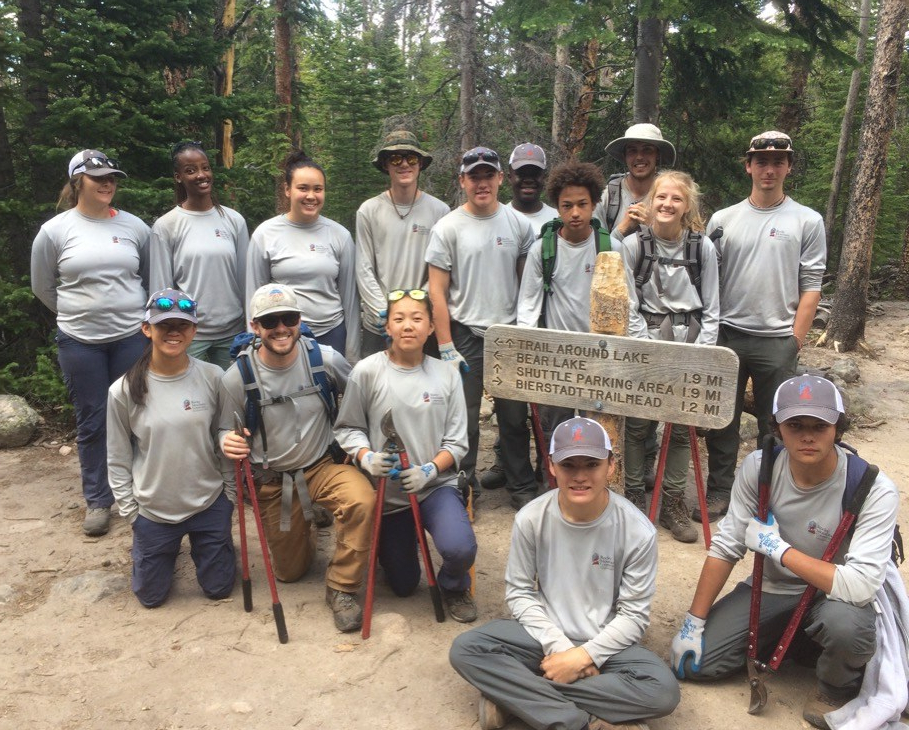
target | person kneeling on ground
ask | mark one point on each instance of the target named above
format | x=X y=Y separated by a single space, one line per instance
x=581 y=574
x=805 y=507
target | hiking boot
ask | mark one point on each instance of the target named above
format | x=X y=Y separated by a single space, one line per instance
x=490 y=715
x=493 y=477
x=675 y=518
x=348 y=614
x=321 y=517
x=819 y=704
x=598 y=724
x=461 y=606
x=521 y=499
x=716 y=507
x=638 y=498
x=97 y=521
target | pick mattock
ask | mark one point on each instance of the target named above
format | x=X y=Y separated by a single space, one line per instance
x=244 y=475
x=542 y=446
x=373 y=559
x=388 y=429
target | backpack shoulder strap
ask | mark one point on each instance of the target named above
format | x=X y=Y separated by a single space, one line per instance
x=693 y=258
x=604 y=243
x=614 y=199
x=860 y=476
x=321 y=378
x=251 y=388
x=646 y=258
x=549 y=237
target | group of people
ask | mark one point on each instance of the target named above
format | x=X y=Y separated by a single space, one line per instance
x=408 y=305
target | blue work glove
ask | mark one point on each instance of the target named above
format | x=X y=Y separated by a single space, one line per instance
x=449 y=354
x=764 y=537
x=417 y=477
x=688 y=643
x=382 y=318
x=378 y=463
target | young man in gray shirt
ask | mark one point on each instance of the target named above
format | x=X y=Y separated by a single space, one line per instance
x=805 y=508
x=300 y=469
x=767 y=236
x=476 y=256
x=580 y=578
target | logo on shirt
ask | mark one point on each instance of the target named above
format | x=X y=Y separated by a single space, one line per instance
x=187 y=406
x=432 y=397
x=603 y=562
x=504 y=241
x=779 y=234
x=819 y=531
x=312 y=247
x=194 y=405
x=115 y=239
x=218 y=233
x=426 y=396
x=588 y=268
x=417 y=228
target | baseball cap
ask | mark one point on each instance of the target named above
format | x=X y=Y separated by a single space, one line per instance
x=273 y=298
x=527 y=154
x=808 y=395
x=94 y=164
x=579 y=437
x=480 y=156
x=170 y=304
x=771 y=141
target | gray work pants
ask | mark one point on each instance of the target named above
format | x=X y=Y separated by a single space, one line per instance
x=845 y=634
x=503 y=661
x=638 y=431
x=768 y=361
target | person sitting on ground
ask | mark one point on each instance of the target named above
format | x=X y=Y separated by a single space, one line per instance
x=301 y=468
x=805 y=507
x=426 y=400
x=163 y=461
x=678 y=302
x=580 y=578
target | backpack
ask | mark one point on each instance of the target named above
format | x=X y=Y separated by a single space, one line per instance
x=549 y=248
x=241 y=350
x=860 y=476
x=691 y=259
x=613 y=199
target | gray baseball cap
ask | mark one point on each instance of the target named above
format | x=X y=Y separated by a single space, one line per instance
x=527 y=154
x=579 y=437
x=170 y=304
x=94 y=164
x=808 y=395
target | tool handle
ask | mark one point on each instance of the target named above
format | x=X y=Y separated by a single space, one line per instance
x=244 y=550
x=765 y=474
x=373 y=558
x=278 y=610
x=541 y=443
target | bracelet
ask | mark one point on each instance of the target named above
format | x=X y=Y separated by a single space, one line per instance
x=799 y=340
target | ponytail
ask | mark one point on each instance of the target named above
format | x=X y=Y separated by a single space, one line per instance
x=137 y=377
x=69 y=195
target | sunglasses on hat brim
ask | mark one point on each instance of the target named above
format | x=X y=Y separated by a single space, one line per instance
x=415 y=294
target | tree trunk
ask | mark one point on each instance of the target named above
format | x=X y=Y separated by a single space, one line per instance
x=798 y=66
x=648 y=59
x=284 y=84
x=575 y=142
x=224 y=86
x=468 y=56
x=560 y=92
x=839 y=165
x=36 y=94
x=846 y=329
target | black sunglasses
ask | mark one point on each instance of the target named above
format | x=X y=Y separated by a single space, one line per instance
x=776 y=143
x=96 y=163
x=481 y=154
x=270 y=321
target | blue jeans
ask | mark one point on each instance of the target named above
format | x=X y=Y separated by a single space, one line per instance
x=157 y=544
x=336 y=339
x=445 y=518
x=88 y=371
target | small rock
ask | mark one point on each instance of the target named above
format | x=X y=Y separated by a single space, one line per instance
x=847 y=369
x=18 y=421
x=89 y=587
x=6 y=593
x=65 y=450
x=241 y=708
x=748 y=430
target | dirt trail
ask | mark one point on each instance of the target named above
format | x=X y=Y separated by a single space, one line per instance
x=80 y=652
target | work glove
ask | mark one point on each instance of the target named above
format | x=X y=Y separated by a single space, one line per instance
x=378 y=463
x=764 y=537
x=417 y=477
x=449 y=354
x=688 y=643
x=381 y=318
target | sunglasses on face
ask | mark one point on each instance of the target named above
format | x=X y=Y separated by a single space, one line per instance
x=415 y=294
x=396 y=160
x=270 y=321
x=166 y=304
x=96 y=163
x=482 y=154
x=776 y=143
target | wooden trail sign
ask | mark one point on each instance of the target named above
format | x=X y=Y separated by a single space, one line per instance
x=662 y=381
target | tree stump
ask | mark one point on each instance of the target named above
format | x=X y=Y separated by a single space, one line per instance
x=609 y=316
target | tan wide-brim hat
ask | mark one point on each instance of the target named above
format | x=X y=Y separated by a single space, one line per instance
x=400 y=141
x=648 y=133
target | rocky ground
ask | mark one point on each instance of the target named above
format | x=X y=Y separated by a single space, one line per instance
x=79 y=651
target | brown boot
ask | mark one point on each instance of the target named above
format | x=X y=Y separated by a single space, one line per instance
x=820 y=703
x=675 y=518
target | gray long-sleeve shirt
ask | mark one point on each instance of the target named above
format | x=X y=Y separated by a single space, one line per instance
x=391 y=251
x=768 y=257
x=203 y=254
x=430 y=415
x=582 y=584
x=93 y=273
x=679 y=294
x=317 y=260
x=163 y=459
x=807 y=520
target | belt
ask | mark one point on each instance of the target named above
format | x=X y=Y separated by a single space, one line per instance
x=292 y=479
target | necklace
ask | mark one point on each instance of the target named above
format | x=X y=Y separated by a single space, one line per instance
x=397 y=206
x=767 y=207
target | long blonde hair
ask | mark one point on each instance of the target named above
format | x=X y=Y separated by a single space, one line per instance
x=693 y=217
x=69 y=195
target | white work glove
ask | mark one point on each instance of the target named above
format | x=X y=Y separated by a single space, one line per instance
x=689 y=642
x=378 y=463
x=764 y=537
x=449 y=354
x=417 y=477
